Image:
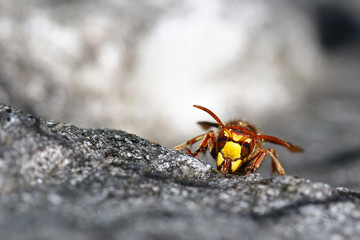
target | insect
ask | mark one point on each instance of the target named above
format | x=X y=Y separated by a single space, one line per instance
x=237 y=146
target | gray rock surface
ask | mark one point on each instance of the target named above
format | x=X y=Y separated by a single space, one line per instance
x=58 y=181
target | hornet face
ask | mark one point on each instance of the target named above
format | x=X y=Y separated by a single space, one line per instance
x=234 y=148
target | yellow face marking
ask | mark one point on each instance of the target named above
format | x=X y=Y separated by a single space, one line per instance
x=231 y=150
x=219 y=159
x=236 y=137
x=235 y=165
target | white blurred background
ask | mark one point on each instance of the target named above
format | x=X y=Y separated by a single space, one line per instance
x=290 y=67
x=141 y=66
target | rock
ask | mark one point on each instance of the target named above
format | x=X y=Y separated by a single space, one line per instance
x=58 y=181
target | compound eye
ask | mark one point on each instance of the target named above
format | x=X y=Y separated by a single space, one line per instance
x=222 y=140
x=245 y=149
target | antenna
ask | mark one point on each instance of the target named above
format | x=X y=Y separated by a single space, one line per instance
x=212 y=114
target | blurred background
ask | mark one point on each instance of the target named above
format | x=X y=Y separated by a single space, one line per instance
x=290 y=67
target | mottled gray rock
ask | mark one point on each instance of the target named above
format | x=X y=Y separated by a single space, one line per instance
x=58 y=181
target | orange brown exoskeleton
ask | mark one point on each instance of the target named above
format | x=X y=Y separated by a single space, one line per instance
x=237 y=146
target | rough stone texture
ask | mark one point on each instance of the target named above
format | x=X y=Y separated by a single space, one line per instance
x=58 y=181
